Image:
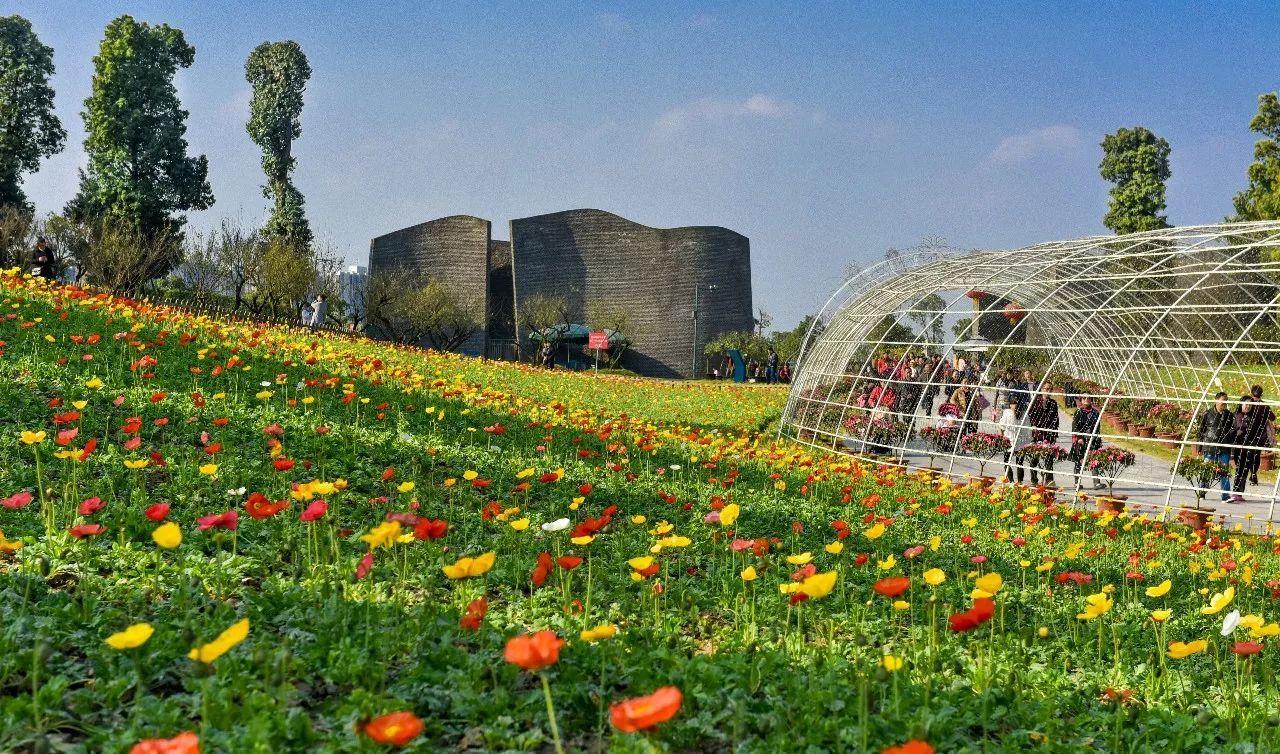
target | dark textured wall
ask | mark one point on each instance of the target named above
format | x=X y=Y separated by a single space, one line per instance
x=501 y=315
x=453 y=250
x=588 y=254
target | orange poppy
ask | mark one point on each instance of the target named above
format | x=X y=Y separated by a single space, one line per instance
x=892 y=586
x=183 y=743
x=395 y=728
x=534 y=651
x=644 y=712
x=914 y=746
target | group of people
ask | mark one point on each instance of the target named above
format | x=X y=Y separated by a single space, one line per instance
x=771 y=371
x=1022 y=411
x=1235 y=438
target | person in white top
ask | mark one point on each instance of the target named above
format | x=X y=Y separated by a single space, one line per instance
x=1008 y=425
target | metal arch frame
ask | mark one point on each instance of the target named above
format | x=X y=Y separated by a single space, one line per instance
x=1157 y=352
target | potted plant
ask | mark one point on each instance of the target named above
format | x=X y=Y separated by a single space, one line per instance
x=1200 y=473
x=1041 y=455
x=938 y=439
x=1109 y=462
x=984 y=446
x=887 y=433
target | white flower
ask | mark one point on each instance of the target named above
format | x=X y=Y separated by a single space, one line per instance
x=674 y=467
x=239 y=492
x=560 y=524
x=300 y=385
x=265 y=383
x=1230 y=622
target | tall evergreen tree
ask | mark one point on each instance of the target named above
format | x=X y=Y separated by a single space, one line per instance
x=139 y=173
x=279 y=72
x=1261 y=200
x=30 y=129
x=1137 y=162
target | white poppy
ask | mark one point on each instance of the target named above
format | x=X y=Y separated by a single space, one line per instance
x=560 y=524
x=1230 y=622
x=238 y=492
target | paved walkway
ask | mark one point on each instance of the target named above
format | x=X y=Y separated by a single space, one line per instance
x=1146 y=483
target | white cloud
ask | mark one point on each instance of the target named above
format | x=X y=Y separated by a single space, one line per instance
x=1050 y=140
x=713 y=109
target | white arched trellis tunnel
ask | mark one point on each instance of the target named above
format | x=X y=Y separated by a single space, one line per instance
x=1148 y=327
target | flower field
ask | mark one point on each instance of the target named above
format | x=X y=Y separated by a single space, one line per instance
x=228 y=538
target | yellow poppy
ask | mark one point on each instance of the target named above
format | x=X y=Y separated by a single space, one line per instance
x=729 y=514
x=989 y=583
x=33 y=438
x=603 y=631
x=133 y=636
x=1160 y=616
x=934 y=576
x=748 y=573
x=383 y=535
x=1179 y=650
x=640 y=563
x=1160 y=590
x=891 y=663
x=835 y=548
x=468 y=567
x=209 y=469
x=520 y=524
x=887 y=563
x=800 y=559
x=207 y=653
x=136 y=464
x=1095 y=605
x=405 y=487
x=875 y=531
x=167 y=535
x=818 y=585
x=1219 y=601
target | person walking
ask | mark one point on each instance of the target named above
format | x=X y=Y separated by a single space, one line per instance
x=1042 y=416
x=1084 y=438
x=1256 y=393
x=1214 y=436
x=771 y=368
x=1249 y=430
x=1009 y=426
x=548 y=355
x=319 y=309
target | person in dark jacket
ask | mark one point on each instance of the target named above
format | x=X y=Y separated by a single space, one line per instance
x=1256 y=393
x=1249 y=431
x=1215 y=435
x=1042 y=416
x=771 y=368
x=43 y=262
x=1084 y=438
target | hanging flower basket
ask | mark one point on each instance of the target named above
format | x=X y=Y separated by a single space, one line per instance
x=1014 y=312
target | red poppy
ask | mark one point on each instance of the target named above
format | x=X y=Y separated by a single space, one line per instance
x=88 y=449
x=17 y=500
x=982 y=611
x=315 y=511
x=65 y=436
x=183 y=743
x=1246 y=648
x=133 y=443
x=364 y=566
x=476 y=611
x=892 y=586
x=549 y=477
x=91 y=506
x=430 y=528
x=644 y=712
x=258 y=506
x=534 y=651
x=805 y=572
x=66 y=418
x=213 y=448
x=157 y=512
x=542 y=570
x=569 y=562
x=396 y=728
x=86 y=530
x=915 y=746
x=388 y=473
x=283 y=464
x=228 y=520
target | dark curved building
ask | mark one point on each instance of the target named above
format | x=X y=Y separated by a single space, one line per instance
x=587 y=255
x=581 y=257
x=453 y=250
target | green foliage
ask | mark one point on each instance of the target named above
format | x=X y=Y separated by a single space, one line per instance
x=1261 y=200
x=31 y=129
x=1137 y=161
x=279 y=72
x=139 y=171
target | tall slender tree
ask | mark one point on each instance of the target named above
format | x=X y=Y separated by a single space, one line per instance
x=29 y=129
x=139 y=173
x=1261 y=200
x=1137 y=162
x=279 y=72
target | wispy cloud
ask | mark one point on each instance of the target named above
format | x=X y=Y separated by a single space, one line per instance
x=719 y=109
x=1039 y=142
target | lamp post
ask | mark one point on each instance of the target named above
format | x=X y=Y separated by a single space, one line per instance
x=693 y=366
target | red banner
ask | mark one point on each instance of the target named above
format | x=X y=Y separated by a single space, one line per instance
x=598 y=341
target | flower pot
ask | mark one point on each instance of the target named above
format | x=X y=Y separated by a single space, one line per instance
x=1267 y=462
x=1122 y=426
x=1112 y=504
x=1196 y=518
x=1145 y=431
x=1168 y=435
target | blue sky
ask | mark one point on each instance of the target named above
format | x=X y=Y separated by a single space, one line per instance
x=825 y=132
